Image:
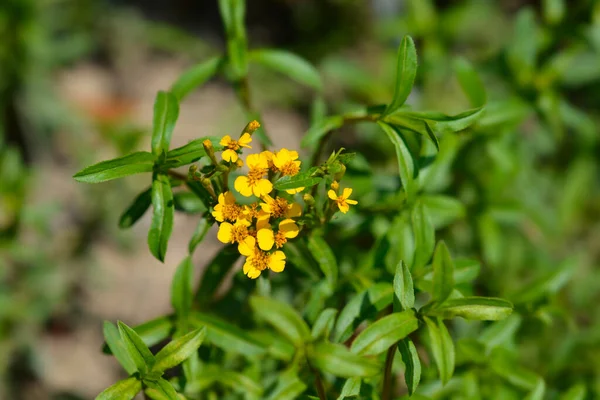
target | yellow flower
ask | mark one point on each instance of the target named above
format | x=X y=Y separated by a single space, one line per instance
x=279 y=207
x=232 y=146
x=269 y=156
x=294 y=191
x=335 y=185
x=254 y=182
x=343 y=202
x=287 y=230
x=235 y=233
x=227 y=209
x=258 y=260
x=285 y=161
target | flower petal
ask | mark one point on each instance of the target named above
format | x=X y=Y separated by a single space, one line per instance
x=265 y=239
x=262 y=187
x=250 y=270
x=350 y=201
x=245 y=140
x=224 y=234
x=242 y=185
x=225 y=140
x=218 y=212
x=277 y=261
x=347 y=193
x=331 y=194
x=294 y=211
x=289 y=228
x=246 y=248
x=295 y=191
x=344 y=207
x=229 y=155
x=262 y=222
x=228 y=197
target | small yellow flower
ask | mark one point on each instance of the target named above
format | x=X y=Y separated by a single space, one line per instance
x=269 y=156
x=280 y=207
x=287 y=230
x=258 y=260
x=343 y=201
x=286 y=162
x=254 y=182
x=235 y=233
x=335 y=186
x=232 y=146
x=227 y=209
x=254 y=125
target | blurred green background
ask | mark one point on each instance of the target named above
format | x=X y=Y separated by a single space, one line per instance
x=77 y=84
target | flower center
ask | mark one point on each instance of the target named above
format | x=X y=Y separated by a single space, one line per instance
x=255 y=175
x=290 y=168
x=233 y=145
x=279 y=207
x=239 y=233
x=260 y=260
x=280 y=239
x=231 y=212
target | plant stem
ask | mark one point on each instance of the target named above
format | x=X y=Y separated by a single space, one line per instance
x=319 y=384
x=177 y=175
x=388 y=384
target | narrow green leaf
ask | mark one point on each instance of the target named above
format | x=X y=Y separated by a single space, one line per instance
x=324 y=324
x=412 y=363
x=122 y=390
x=199 y=234
x=440 y=122
x=442 y=348
x=406 y=70
x=160 y=390
x=548 y=284
x=575 y=392
x=151 y=332
x=191 y=152
x=288 y=387
x=337 y=360
x=318 y=131
x=443 y=210
x=322 y=253
x=293 y=182
x=196 y=76
x=405 y=162
x=522 y=52
x=385 y=332
x=500 y=332
x=538 y=391
x=130 y=164
x=431 y=134
x=351 y=389
x=181 y=289
x=117 y=347
x=404 y=294
x=282 y=317
x=443 y=273
x=179 y=350
x=226 y=336
x=162 y=216
x=137 y=350
x=362 y=306
x=478 y=308
x=470 y=82
x=288 y=64
x=424 y=235
x=188 y=202
x=136 y=210
x=166 y=112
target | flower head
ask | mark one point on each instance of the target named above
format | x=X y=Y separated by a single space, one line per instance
x=232 y=146
x=267 y=238
x=286 y=162
x=227 y=209
x=343 y=201
x=280 y=207
x=235 y=233
x=258 y=260
x=255 y=182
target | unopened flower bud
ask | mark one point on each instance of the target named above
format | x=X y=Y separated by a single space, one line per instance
x=335 y=186
x=308 y=199
x=210 y=151
x=340 y=174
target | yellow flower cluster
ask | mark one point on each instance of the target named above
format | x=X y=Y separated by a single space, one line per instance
x=262 y=228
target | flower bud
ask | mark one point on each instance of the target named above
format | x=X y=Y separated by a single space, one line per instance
x=340 y=174
x=335 y=186
x=210 y=151
x=308 y=199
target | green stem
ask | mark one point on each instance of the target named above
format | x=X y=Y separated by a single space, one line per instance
x=387 y=377
x=319 y=384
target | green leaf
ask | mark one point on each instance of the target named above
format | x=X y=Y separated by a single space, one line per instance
x=337 y=360
x=324 y=323
x=160 y=390
x=404 y=293
x=351 y=389
x=554 y=11
x=322 y=253
x=406 y=70
x=442 y=347
x=443 y=273
x=470 y=82
x=130 y=164
x=188 y=202
x=500 y=332
x=136 y=210
x=117 y=347
x=443 y=210
x=162 y=216
x=137 y=350
x=385 y=332
x=166 y=112
x=537 y=393
x=191 y=152
x=440 y=122
x=154 y=331
x=318 y=131
x=362 y=306
x=196 y=76
x=181 y=289
x=282 y=317
x=412 y=363
x=478 y=308
x=215 y=272
x=522 y=51
x=288 y=64
x=424 y=235
x=199 y=234
x=122 y=390
x=405 y=162
x=226 y=336
x=179 y=350
x=293 y=182
x=288 y=387
x=575 y=392
x=548 y=284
